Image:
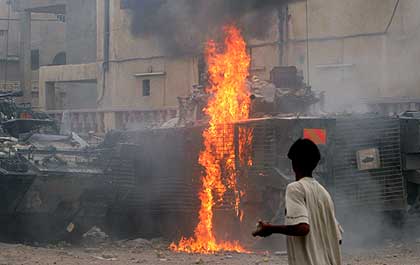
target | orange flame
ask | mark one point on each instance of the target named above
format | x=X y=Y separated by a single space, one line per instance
x=230 y=103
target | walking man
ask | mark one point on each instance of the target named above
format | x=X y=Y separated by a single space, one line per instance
x=313 y=234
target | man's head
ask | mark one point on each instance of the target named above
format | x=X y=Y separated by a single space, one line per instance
x=305 y=156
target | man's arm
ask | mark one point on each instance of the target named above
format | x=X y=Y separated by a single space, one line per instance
x=265 y=230
x=297 y=219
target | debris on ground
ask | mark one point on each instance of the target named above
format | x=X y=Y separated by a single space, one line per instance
x=138 y=243
x=92 y=250
x=109 y=254
x=280 y=253
x=160 y=243
x=159 y=254
x=106 y=257
x=95 y=236
x=199 y=261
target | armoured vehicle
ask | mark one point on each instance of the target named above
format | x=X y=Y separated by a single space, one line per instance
x=369 y=165
x=51 y=188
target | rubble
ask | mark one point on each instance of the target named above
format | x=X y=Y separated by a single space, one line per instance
x=138 y=243
x=285 y=92
x=92 y=250
x=106 y=257
x=280 y=253
x=199 y=261
x=159 y=243
x=95 y=236
x=19 y=254
x=191 y=106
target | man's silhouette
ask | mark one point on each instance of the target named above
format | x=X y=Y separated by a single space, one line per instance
x=313 y=234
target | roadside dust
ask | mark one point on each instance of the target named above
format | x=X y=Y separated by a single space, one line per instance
x=142 y=251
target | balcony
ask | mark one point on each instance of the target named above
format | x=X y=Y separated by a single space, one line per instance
x=41 y=6
x=102 y=121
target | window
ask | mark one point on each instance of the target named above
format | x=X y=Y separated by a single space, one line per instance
x=60 y=59
x=34 y=60
x=146 y=87
x=125 y=4
x=61 y=18
x=3 y=32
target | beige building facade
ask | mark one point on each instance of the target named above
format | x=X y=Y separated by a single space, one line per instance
x=356 y=53
x=46 y=44
x=348 y=51
x=134 y=62
x=137 y=84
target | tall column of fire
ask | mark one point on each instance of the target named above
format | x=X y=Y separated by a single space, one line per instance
x=228 y=68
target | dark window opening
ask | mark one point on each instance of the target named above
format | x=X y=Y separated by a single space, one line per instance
x=146 y=88
x=125 y=4
x=61 y=18
x=34 y=60
x=60 y=59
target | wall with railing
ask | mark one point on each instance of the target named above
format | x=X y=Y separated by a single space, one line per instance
x=393 y=106
x=102 y=121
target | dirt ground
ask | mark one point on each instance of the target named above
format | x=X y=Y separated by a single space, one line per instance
x=142 y=252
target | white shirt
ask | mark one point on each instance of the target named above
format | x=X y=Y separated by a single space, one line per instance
x=309 y=202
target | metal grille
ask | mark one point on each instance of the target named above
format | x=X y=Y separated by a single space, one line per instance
x=381 y=188
x=263 y=148
x=412 y=221
x=163 y=177
x=121 y=173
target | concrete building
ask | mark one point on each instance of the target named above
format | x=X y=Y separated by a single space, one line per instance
x=46 y=44
x=137 y=85
x=356 y=53
x=9 y=54
x=348 y=51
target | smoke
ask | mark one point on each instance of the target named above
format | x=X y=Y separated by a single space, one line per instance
x=182 y=26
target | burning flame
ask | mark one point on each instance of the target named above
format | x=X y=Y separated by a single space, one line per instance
x=230 y=103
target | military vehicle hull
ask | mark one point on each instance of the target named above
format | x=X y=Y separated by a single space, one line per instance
x=50 y=191
x=361 y=166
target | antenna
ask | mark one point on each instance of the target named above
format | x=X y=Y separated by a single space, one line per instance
x=7 y=46
x=307 y=45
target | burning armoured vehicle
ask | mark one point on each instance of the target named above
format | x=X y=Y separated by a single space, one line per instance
x=366 y=165
x=224 y=173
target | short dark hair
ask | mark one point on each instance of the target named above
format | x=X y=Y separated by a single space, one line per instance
x=305 y=154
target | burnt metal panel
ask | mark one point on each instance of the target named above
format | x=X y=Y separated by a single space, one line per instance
x=163 y=176
x=273 y=138
x=410 y=131
x=266 y=180
x=411 y=161
x=382 y=188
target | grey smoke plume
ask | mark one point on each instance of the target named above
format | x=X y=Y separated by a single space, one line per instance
x=182 y=26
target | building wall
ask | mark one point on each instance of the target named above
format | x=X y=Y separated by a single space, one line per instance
x=81 y=31
x=351 y=57
x=13 y=63
x=265 y=53
x=80 y=42
x=346 y=48
x=47 y=36
x=403 y=52
x=130 y=56
x=13 y=36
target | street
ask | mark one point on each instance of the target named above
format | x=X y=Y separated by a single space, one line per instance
x=141 y=252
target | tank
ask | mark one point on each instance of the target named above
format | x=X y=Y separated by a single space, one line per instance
x=52 y=186
x=361 y=166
